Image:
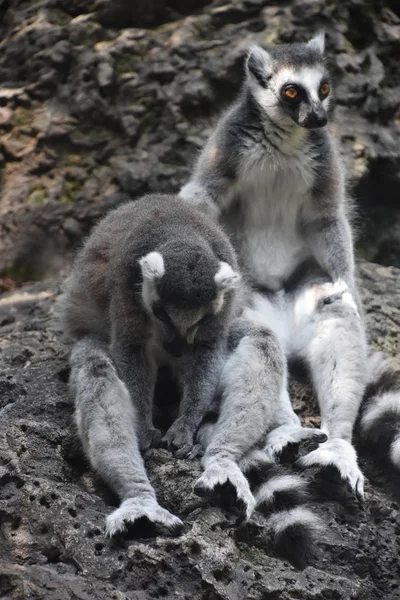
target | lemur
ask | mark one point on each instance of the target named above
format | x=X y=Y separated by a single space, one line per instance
x=153 y=285
x=157 y=283
x=271 y=174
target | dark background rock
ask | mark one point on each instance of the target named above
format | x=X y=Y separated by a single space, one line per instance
x=52 y=508
x=104 y=98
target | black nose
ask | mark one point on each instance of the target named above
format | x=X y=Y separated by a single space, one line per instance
x=315 y=119
x=321 y=120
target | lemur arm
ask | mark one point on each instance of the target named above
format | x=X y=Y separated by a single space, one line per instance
x=199 y=377
x=324 y=221
x=211 y=187
x=330 y=240
x=137 y=372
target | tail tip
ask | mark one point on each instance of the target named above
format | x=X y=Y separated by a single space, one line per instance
x=295 y=534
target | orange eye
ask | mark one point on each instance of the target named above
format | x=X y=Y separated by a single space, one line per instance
x=324 y=89
x=291 y=93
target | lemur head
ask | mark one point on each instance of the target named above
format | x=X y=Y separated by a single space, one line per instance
x=290 y=82
x=184 y=288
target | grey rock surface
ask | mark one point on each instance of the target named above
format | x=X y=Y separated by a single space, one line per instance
x=52 y=508
x=101 y=99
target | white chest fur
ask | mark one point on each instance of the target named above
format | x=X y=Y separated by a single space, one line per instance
x=272 y=193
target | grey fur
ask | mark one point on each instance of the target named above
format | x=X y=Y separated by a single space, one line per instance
x=272 y=175
x=255 y=410
x=250 y=388
x=154 y=256
x=107 y=426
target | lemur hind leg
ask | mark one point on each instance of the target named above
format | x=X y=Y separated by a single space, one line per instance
x=329 y=335
x=107 y=426
x=251 y=383
x=285 y=428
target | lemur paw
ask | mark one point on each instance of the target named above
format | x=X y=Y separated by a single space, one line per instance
x=134 y=509
x=341 y=455
x=279 y=438
x=179 y=438
x=220 y=480
x=323 y=294
x=149 y=438
x=338 y=290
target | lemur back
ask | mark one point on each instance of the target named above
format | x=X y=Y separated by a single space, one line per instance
x=111 y=257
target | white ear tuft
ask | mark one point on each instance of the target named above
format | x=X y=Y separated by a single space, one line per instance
x=258 y=64
x=318 y=42
x=226 y=278
x=152 y=266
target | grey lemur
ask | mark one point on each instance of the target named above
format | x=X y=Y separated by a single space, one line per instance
x=157 y=283
x=271 y=174
x=154 y=284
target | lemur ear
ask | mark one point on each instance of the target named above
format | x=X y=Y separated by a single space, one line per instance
x=152 y=266
x=258 y=64
x=318 y=42
x=226 y=278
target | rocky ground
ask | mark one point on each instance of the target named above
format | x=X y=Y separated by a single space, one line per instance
x=103 y=98
x=52 y=509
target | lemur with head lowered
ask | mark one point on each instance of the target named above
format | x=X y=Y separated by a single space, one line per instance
x=157 y=283
x=272 y=175
x=154 y=284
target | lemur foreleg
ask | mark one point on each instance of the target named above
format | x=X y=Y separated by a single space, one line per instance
x=107 y=426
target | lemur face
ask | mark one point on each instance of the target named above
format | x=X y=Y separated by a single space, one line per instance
x=291 y=82
x=184 y=301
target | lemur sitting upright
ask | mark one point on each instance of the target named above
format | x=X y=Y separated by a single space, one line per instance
x=157 y=283
x=271 y=175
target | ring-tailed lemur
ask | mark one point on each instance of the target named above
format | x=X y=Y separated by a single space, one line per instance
x=272 y=175
x=156 y=283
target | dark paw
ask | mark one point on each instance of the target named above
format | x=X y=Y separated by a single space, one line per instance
x=179 y=439
x=226 y=486
x=335 y=464
x=295 y=450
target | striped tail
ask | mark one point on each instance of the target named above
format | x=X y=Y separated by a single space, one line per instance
x=282 y=496
x=380 y=410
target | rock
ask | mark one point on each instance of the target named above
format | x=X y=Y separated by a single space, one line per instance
x=105 y=74
x=72 y=227
x=5 y=116
x=145 y=13
x=52 y=507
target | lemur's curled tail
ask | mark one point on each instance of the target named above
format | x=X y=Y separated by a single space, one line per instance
x=282 y=496
x=380 y=409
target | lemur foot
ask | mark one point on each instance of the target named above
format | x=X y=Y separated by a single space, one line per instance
x=284 y=435
x=222 y=478
x=133 y=509
x=179 y=438
x=149 y=438
x=341 y=455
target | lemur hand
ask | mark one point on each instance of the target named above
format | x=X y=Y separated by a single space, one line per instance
x=278 y=439
x=133 y=510
x=321 y=294
x=149 y=437
x=180 y=438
